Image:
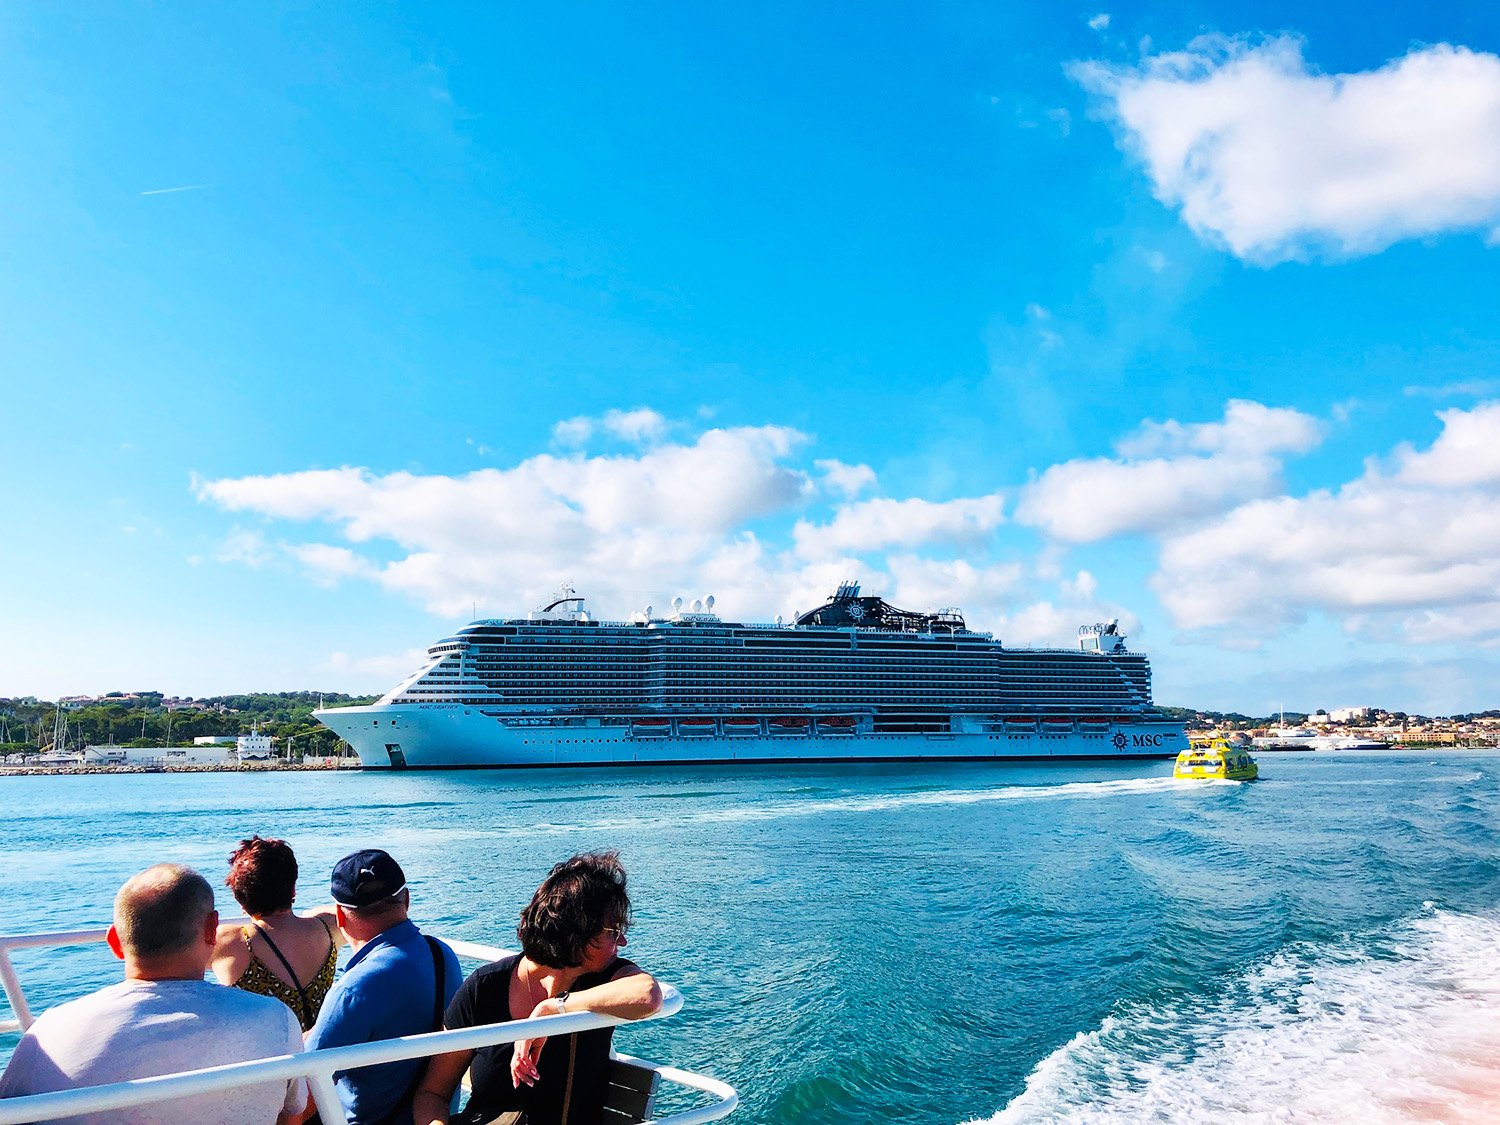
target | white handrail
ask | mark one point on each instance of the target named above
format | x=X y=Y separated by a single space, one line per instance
x=318 y=1067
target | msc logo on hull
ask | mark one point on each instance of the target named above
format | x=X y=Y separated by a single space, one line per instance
x=1121 y=740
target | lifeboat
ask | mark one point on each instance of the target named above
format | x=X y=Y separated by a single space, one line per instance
x=836 y=724
x=1093 y=726
x=790 y=724
x=741 y=725
x=1214 y=760
x=651 y=726
x=699 y=725
x=1056 y=726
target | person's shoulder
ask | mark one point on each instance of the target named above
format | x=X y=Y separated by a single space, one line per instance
x=120 y=994
x=488 y=978
x=501 y=967
x=78 y=1012
x=618 y=967
x=229 y=933
x=237 y=1003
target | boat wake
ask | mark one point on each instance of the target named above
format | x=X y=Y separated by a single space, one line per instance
x=1072 y=790
x=1400 y=1028
x=658 y=820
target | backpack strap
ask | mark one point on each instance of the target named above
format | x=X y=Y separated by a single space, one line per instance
x=404 y=1102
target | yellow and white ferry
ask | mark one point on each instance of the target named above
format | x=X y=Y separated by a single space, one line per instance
x=1215 y=759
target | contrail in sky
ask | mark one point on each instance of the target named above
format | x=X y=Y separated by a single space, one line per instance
x=167 y=190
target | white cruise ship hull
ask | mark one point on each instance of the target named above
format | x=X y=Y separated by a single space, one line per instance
x=452 y=736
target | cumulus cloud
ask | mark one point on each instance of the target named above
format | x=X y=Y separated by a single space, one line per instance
x=628 y=520
x=1274 y=160
x=1409 y=549
x=327 y=564
x=732 y=513
x=638 y=426
x=850 y=480
x=1168 y=473
x=1467 y=452
x=870 y=525
x=982 y=590
x=248 y=547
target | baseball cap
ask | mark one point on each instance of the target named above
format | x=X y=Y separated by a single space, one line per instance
x=366 y=877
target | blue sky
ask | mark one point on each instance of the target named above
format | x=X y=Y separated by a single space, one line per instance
x=324 y=327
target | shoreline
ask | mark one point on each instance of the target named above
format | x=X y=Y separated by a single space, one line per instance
x=197 y=767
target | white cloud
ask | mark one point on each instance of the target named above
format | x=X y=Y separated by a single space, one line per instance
x=870 y=525
x=638 y=426
x=982 y=591
x=573 y=431
x=248 y=547
x=1100 y=22
x=1055 y=624
x=1470 y=388
x=1274 y=160
x=632 y=529
x=1414 y=550
x=1467 y=452
x=1169 y=473
x=630 y=522
x=328 y=564
x=850 y=480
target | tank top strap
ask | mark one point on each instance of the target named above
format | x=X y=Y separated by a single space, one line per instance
x=291 y=972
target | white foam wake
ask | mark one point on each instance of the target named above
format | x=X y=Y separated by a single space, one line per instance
x=656 y=819
x=1072 y=790
x=1389 y=1033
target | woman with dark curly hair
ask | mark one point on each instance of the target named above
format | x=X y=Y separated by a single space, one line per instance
x=279 y=954
x=571 y=935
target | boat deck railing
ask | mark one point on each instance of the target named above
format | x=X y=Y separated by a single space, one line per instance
x=318 y=1067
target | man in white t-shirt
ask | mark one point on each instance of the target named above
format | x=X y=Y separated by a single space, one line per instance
x=164 y=1017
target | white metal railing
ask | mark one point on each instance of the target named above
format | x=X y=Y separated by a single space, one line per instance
x=319 y=1067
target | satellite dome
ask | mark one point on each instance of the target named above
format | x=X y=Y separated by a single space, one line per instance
x=709 y=601
x=677 y=604
x=697 y=605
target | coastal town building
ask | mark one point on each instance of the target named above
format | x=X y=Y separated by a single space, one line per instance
x=254 y=746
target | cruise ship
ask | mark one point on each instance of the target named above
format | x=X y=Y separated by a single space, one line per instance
x=854 y=680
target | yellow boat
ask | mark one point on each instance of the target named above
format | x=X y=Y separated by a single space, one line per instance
x=1215 y=759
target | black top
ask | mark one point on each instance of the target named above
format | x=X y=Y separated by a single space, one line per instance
x=484 y=999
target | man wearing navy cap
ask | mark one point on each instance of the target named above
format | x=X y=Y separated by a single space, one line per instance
x=392 y=986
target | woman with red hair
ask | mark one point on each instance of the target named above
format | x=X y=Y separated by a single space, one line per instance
x=280 y=954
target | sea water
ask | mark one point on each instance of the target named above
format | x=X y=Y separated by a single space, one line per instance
x=935 y=943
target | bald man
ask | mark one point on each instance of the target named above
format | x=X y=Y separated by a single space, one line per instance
x=163 y=1017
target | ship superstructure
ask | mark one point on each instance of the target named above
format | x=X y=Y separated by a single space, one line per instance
x=856 y=678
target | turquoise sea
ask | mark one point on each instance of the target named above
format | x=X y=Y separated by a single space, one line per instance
x=927 y=943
